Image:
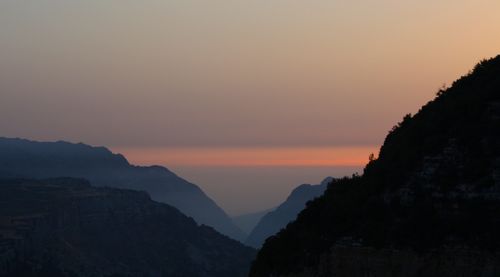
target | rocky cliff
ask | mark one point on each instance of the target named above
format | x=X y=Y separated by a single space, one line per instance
x=65 y=227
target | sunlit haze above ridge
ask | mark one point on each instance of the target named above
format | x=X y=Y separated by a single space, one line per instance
x=248 y=99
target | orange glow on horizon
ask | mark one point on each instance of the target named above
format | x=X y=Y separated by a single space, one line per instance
x=253 y=156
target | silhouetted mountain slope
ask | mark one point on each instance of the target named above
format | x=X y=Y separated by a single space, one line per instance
x=246 y=222
x=428 y=206
x=277 y=219
x=65 y=227
x=21 y=158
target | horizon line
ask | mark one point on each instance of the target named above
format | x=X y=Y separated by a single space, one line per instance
x=351 y=156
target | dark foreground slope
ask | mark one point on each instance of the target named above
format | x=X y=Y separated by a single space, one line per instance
x=428 y=206
x=65 y=227
x=21 y=158
x=286 y=212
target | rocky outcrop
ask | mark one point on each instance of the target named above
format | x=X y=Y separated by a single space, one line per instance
x=65 y=227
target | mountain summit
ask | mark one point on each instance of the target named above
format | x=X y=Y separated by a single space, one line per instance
x=277 y=219
x=428 y=206
x=20 y=158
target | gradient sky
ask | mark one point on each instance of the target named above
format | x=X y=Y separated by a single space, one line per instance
x=190 y=75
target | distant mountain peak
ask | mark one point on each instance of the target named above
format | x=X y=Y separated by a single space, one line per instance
x=327 y=180
x=286 y=212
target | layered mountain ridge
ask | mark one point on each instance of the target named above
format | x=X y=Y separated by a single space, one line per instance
x=65 y=227
x=20 y=158
x=428 y=206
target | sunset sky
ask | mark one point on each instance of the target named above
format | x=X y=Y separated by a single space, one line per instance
x=245 y=98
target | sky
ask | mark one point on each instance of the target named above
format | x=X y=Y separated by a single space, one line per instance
x=280 y=87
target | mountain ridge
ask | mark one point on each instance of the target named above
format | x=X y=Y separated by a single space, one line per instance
x=278 y=218
x=426 y=207
x=66 y=227
x=22 y=158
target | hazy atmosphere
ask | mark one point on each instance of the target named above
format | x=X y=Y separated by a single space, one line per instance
x=247 y=99
x=260 y=138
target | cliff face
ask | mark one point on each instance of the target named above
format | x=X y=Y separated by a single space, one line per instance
x=29 y=159
x=428 y=206
x=65 y=227
x=275 y=220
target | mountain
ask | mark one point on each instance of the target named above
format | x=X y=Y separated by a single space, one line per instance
x=277 y=219
x=429 y=205
x=21 y=158
x=246 y=222
x=65 y=227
